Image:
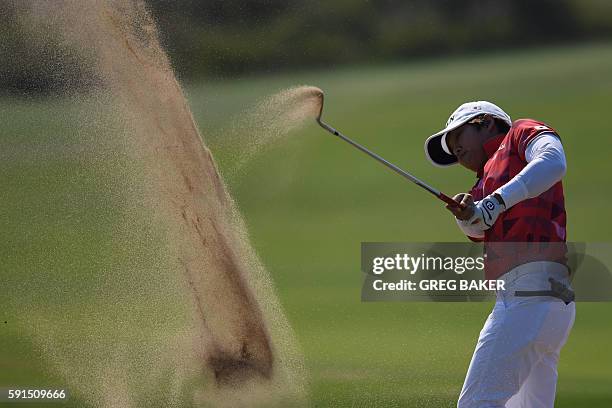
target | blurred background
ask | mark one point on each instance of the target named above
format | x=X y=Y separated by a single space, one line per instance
x=220 y=38
x=392 y=71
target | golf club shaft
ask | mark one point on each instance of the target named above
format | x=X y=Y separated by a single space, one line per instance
x=440 y=195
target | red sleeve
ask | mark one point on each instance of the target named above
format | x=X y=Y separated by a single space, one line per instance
x=524 y=131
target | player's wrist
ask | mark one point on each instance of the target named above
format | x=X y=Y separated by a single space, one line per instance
x=500 y=200
x=512 y=192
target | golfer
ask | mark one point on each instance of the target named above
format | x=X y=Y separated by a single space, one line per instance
x=517 y=208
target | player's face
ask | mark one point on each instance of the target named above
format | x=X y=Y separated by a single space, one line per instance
x=466 y=143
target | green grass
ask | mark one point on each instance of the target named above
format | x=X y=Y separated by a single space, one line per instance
x=309 y=201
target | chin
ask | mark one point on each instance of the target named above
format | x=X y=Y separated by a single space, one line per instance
x=466 y=165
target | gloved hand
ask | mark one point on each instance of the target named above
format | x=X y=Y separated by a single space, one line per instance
x=487 y=211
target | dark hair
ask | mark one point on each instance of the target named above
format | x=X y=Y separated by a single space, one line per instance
x=500 y=125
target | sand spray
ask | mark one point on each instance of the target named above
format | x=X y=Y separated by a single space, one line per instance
x=195 y=322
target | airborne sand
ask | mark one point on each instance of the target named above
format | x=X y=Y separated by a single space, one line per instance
x=229 y=344
x=270 y=120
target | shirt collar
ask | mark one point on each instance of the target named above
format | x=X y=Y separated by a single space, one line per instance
x=490 y=147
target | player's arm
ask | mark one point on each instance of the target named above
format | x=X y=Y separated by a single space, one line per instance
x=546 y=166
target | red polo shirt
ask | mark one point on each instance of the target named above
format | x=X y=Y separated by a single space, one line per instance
x=533 y=229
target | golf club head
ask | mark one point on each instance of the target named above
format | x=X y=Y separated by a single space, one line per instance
x=322 y=99
x=324 y=125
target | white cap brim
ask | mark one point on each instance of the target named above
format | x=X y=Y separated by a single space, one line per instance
x=437 y=150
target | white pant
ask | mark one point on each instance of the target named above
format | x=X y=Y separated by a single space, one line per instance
x=515 y=361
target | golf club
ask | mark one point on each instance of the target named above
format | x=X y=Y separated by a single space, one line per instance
x=440 y=195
